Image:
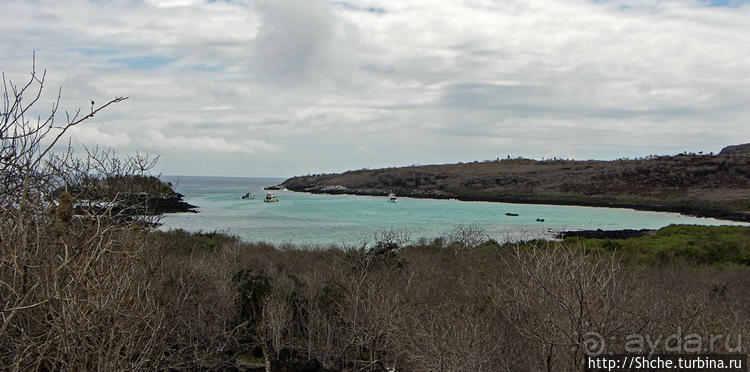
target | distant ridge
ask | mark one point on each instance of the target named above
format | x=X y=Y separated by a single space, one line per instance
x=736 y=149
x=691 y=184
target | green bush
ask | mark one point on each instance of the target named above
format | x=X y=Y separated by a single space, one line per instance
x=694 y=243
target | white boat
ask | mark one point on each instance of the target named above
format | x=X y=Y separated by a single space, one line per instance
x=248 y=196
x=392 y=197
x=270 y=198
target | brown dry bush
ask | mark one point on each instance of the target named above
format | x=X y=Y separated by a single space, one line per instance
x=556 y=295
x=81 y=283
x=536 y=306
x=55 y=283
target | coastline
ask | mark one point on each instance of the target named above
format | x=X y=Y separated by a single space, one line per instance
x=693 y=211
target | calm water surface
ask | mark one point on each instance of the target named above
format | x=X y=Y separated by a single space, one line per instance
x=303 y=218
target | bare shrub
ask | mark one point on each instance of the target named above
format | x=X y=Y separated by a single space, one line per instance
x=464 y=237
x=77 y=283
x=451 y=323
x=558 y=295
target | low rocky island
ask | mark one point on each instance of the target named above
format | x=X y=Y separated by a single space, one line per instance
x=167 y=203
x=125 y=195
x=691 y=184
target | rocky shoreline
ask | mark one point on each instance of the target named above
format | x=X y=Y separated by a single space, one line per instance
x=603 y=234
x=141 y=204
x=173 y=203
x=694 y=211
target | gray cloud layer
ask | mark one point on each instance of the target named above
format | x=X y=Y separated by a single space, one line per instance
x=280 y=87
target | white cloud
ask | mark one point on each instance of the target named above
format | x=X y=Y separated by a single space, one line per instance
x=411 y=81
x=89 y=135
x=173 y=3
x=206 y=144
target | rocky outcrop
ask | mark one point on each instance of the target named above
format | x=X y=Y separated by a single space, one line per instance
x=126 y=195
x=155 y=204
x=172 y=203
x=137 y=204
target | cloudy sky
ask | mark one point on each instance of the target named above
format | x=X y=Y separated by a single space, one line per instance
x=287 y=87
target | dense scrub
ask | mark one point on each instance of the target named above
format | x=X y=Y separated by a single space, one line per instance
x=460 y=302
x=446 y=304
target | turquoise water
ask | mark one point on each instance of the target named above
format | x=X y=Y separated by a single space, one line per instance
x=303 y=218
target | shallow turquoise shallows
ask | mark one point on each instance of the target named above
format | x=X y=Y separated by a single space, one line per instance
x=309 y=219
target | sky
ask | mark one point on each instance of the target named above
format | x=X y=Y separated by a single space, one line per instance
x=287 y=87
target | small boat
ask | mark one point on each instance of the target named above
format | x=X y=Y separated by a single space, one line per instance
x=511 y=214
x=270 y=198
x=276 y=187
x=248 y=196
x=540 y=220
x=392 y=197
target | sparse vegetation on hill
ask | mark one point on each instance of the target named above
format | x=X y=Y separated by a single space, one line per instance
x=736 y=149
x=703 y=185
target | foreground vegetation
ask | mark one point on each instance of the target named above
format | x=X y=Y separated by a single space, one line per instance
x=176 y=300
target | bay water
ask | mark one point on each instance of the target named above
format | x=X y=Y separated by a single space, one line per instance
x=315 y=219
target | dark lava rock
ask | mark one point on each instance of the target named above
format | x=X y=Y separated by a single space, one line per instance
x=140 y=204
x=170 y=204
x=603 y=234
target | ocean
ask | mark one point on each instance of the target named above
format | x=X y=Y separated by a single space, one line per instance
x=314 y=219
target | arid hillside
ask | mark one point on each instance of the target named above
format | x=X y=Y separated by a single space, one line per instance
x=703 y=185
